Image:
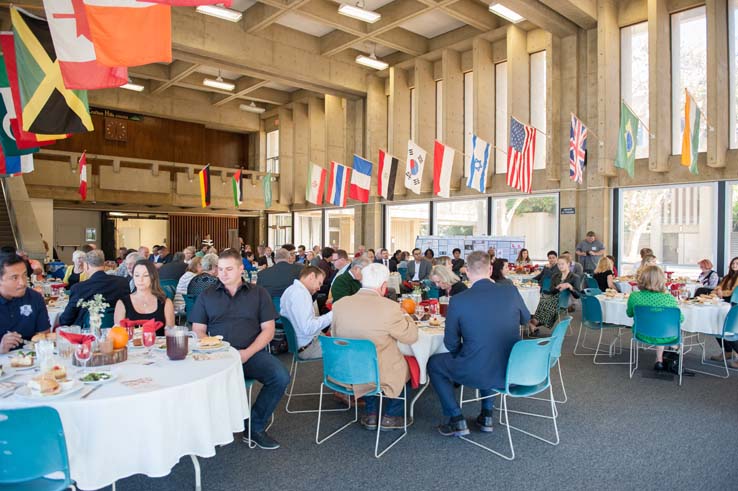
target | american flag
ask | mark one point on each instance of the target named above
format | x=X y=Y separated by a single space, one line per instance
x=577 y=149
x=520 y=156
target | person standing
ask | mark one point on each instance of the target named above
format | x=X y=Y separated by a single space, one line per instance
x=589 y=251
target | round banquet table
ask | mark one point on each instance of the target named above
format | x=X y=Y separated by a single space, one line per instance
x=531 y=297
x=55 y=312
x=707 y=319
x=430 y=342
x=625 y=287
x=521 y=277
x=121 y=430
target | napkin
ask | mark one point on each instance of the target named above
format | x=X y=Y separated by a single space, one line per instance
x=146 y=325
x=77 y=338
x=412 y=364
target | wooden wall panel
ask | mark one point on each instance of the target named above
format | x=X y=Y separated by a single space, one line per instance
x=184 y=229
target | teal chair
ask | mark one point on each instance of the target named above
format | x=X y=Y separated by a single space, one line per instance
x=592 y=320
x=546 y=284
x=591 y=282
x=528 y=374
x=656 y=322
x=403 y=273
x=247 y=439
x=729 y=333
x=32 y=447
x=564 y=299
x=350 y=362
x=734 y=297
x=169 y=287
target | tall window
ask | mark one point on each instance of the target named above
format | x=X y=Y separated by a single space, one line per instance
x=468 y=118
x=339 y=232
x=272 y=152
x=280 y=229
x=538 y=105
x=689 y=70
x=439 y=109
x=732 y=67
x=413 y=123
x=501 y=117
x=534 y=217
x=404 y=223
x=634 y=77
x=308 y=225
x=463 y=217
x=677 y=222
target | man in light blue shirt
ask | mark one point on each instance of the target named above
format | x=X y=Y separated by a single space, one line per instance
x=296 y=306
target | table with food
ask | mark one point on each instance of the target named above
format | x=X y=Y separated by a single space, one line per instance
x=128 y=418
x=626 y=284
x=531 y=293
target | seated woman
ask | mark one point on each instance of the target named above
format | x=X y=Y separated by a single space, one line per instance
x=248 y=262
x=603 y=274
x=446 y=280
x=652 y=293
x=548 y=307
x=648 y=260
x=523 y=258
x=148 y=301
x=728 y=283
x=457 y=263
x=193 y=269
x=207 y=277
x=708 y=278
x=612 y=263
x=76 y=271
x=429 y=255
x=498 y=272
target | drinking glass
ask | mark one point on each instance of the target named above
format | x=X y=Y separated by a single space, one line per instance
x=83 y=352
x=105 y=342
x=148 y=338
x=684 y=294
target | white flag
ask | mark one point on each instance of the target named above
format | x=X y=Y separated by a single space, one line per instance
x=414 y=166
x=478 y=164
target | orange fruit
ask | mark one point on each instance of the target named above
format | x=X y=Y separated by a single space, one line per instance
x=119 y=335
x=409 y=305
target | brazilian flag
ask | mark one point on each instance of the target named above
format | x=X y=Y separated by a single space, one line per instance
x=48 y=107
x=627 y=140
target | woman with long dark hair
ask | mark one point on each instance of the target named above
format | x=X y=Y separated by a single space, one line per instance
x=728 y=283
x=523 y=258
x=498 y=272
x=148 y=301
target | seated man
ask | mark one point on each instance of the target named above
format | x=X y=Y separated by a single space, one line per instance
x=174 y=269
x=112 y=288
x=369 y=315
x=419 y=268
x=482 y=325
x=22 y=310
x=244 y=315
x=297 y=306
x=280 y=276
x=349 y=282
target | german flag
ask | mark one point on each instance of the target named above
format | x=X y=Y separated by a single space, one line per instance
x=48 y=107
x=205 y=186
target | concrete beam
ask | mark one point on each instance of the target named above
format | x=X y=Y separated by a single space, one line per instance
x=177 y=71
x=403 y=40
x=301 y=148
x=581 y=12
x=399 y=123
x=473 y=13
x=452 y=111
x=286 y=156
x=542 y=16
x=608 y=84
x=376 y=120
x=259 y=16
x=717 y=83
x=425 y=117
x=659 y=85
x=326 y=12
x=244 y=85
x=335 y=129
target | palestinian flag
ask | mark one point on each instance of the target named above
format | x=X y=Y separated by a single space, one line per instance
x=48 y=107
x=237 y=182
x=205 y=186
x=7 y=111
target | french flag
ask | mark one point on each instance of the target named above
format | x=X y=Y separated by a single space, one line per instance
x=338 y=184
x=361 y=180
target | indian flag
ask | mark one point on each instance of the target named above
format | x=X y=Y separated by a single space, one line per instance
x=691 y=134
x=237 y=183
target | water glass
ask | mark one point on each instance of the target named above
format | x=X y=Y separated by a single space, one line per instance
x=83 y=352
x=105 y=343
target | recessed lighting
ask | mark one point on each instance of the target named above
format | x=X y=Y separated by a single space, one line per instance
x=371 y=61
x=252 y=108
x=131 y=86
x=219 y=83
x=506 y=13
x=220 y=12
x=359 y=13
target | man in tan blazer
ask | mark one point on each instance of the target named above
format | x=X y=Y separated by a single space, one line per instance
x=369 y=315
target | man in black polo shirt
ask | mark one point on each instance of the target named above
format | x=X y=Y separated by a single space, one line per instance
x=244 y=315
x=22 y=310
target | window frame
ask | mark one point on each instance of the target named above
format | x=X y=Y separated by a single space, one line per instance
x=272 y=162
x=642 y=152
x=388 y=223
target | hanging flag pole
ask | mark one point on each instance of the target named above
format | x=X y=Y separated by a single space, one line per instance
x=703 y=114
x=643 y=124
x=589 y=128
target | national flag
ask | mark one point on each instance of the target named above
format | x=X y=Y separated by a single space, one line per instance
x=7 y=114
x=577 y=149
x=23 y=139
x=15 y=165
x=70 y=33
x=691 y=133
x=130 y=33
x=443 y=163
x=48 y=106
x=338 y=183
x=627 y=140
x=83 y=175
x=387 y=175
x=315 y=184
x=237 y=182
x=414 y=166
x=193 y=3
x=478 y=164
x=267 y=184
x=520 y=156
x=361 y=180
x=204 y=176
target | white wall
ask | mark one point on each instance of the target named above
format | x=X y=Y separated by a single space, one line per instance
x=69 y=231
x=43 y=209
x=136 y=232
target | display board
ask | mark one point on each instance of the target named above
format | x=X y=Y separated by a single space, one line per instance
x=505 y=247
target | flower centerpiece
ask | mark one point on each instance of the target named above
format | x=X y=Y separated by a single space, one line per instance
x=95 y=307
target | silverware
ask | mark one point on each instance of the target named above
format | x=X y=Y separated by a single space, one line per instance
x=91 y=391
x=9 y=392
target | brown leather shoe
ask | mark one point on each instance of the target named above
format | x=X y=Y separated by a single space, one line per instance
x=390 y=423
x=369 y=421
x=733 y=364
x=719 y=357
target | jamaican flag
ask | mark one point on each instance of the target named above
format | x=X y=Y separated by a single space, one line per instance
x=48 y=107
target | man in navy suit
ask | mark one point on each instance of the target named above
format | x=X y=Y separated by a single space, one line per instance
x=482 y=325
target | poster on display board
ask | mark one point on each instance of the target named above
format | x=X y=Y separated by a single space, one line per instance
x=505 y=247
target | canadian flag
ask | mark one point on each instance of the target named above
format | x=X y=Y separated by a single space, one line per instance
x=83 y=176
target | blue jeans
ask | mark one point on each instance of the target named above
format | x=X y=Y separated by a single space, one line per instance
x=442 y=379
x=268 y=371
x=392 y=407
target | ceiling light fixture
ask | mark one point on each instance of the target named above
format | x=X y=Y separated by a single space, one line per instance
x=220 y=12
x=131 y=86
x=371 y=60
x=359 y=12
x=252 y=108
x=506 y=13
x=219 y=83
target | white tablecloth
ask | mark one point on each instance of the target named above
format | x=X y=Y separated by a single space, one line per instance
x=706 y=319
x=624 y=287
x=55 y=312
x=531 y=297
x=429 y=343
x=190 y=408
x=521 y=277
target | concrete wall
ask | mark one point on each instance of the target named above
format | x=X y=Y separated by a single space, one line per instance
x=133 y=233
x=69 y=231
x=43 y=209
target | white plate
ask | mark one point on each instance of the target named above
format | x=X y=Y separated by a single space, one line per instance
x=26 y=393
x=8 y=372
x=99 y=382
x=222 y=347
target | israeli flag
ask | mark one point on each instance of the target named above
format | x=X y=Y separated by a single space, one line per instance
x=478 y=164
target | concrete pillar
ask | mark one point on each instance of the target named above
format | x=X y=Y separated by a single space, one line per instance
x=399 y=123
x=518 y=75
x=29 y=234
x=354 y=138
x=425 y=118
x=608 y=84
x=316 y=117
x=659 y=85
x=335 y=129
x=261 y=149
x=557 y=120
x=301 y=147
x=717 y=82
x=372 y=225
x=453 y=112
x=484 y=89
x=286 y=156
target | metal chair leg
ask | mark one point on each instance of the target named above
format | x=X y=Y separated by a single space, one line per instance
x=597 y=352
x=320 y=412
x=552 y=417
x=509 y=435
x=196 y=464
x=291 y=394
x=707 y=363
x=378 y=454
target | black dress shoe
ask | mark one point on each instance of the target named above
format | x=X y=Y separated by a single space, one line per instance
x=484 y=423
x=659 y=367
x=263 y=441
x=454 y=428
